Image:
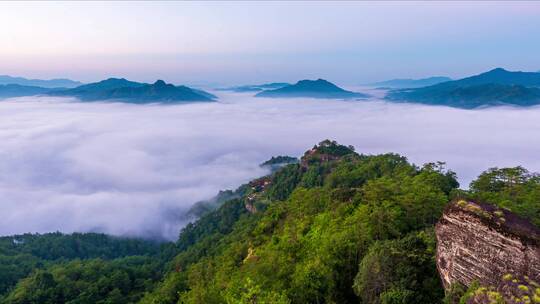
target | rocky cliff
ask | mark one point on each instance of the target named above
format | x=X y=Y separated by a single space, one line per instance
x=491 y=246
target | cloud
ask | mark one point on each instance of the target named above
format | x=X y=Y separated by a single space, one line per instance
x=135 y=169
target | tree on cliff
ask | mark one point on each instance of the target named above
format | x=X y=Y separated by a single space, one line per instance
x=515 y=189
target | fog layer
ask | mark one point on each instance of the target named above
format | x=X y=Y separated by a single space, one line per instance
x=135 y=169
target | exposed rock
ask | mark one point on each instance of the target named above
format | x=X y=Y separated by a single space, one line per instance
x=481 y=243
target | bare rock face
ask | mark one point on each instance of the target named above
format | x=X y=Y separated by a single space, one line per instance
x=483 y=243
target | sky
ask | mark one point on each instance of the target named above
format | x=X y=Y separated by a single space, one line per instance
x=135 y=170
x=209 y=43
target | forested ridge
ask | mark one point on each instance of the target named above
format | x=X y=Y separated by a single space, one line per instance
x=336 y=227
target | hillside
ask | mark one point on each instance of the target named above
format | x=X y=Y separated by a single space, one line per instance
x=335 y=227
x=495 y=87
x=300 y=234
x=319 y=88
x=135 y=92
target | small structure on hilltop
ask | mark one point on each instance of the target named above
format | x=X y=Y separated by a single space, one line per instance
x=256 y=191
x=326 y=151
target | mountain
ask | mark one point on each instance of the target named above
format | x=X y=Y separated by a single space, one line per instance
x=135 y=92
x=50 y=83
x=410 y=83
x=495 y=87
x=158 y=91
x=501 y=76
x=256 y=87
x=96 y=90
x=107 y=84
x=303 y=232
x=469 y=97
x=337 y=227
x=319 y=88
x=16 y=90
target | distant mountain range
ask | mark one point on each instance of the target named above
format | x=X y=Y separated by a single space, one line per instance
x=410 y=83
x=115 y=89
x=495 y=87
x=17 y=90
x=319 y=88
x=256 y=87
x=51 y=83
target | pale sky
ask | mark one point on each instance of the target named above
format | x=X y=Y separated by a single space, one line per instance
x=242 y=42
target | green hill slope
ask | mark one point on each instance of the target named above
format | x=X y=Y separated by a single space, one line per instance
x=299 y=235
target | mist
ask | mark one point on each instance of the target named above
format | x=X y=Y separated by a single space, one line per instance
x=134 y=170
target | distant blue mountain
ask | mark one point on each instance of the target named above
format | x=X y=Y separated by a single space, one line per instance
x=319 y=88
x=98 y=90
x=51 y=83
x=256 y=87
x=16 y=90
x=495 y=87
x=410 y=83
x=501 y=76
x=135 y=92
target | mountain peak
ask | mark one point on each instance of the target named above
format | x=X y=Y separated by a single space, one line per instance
x=497 y=70
x=319 y=88
x=318 y=81
x=135 y=92
x=160 y=83
x=113 y=80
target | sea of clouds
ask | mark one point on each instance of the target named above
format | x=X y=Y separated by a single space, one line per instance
x=136 y=169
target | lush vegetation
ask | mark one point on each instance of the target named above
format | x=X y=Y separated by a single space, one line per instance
x=338 y=227
x=93 y=281
x=336 y=219
x=515 y=189
x=33 y=259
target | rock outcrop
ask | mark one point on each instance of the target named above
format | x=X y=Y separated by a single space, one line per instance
x=481 y=243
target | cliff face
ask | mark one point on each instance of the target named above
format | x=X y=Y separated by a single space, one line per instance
x=480 y=242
